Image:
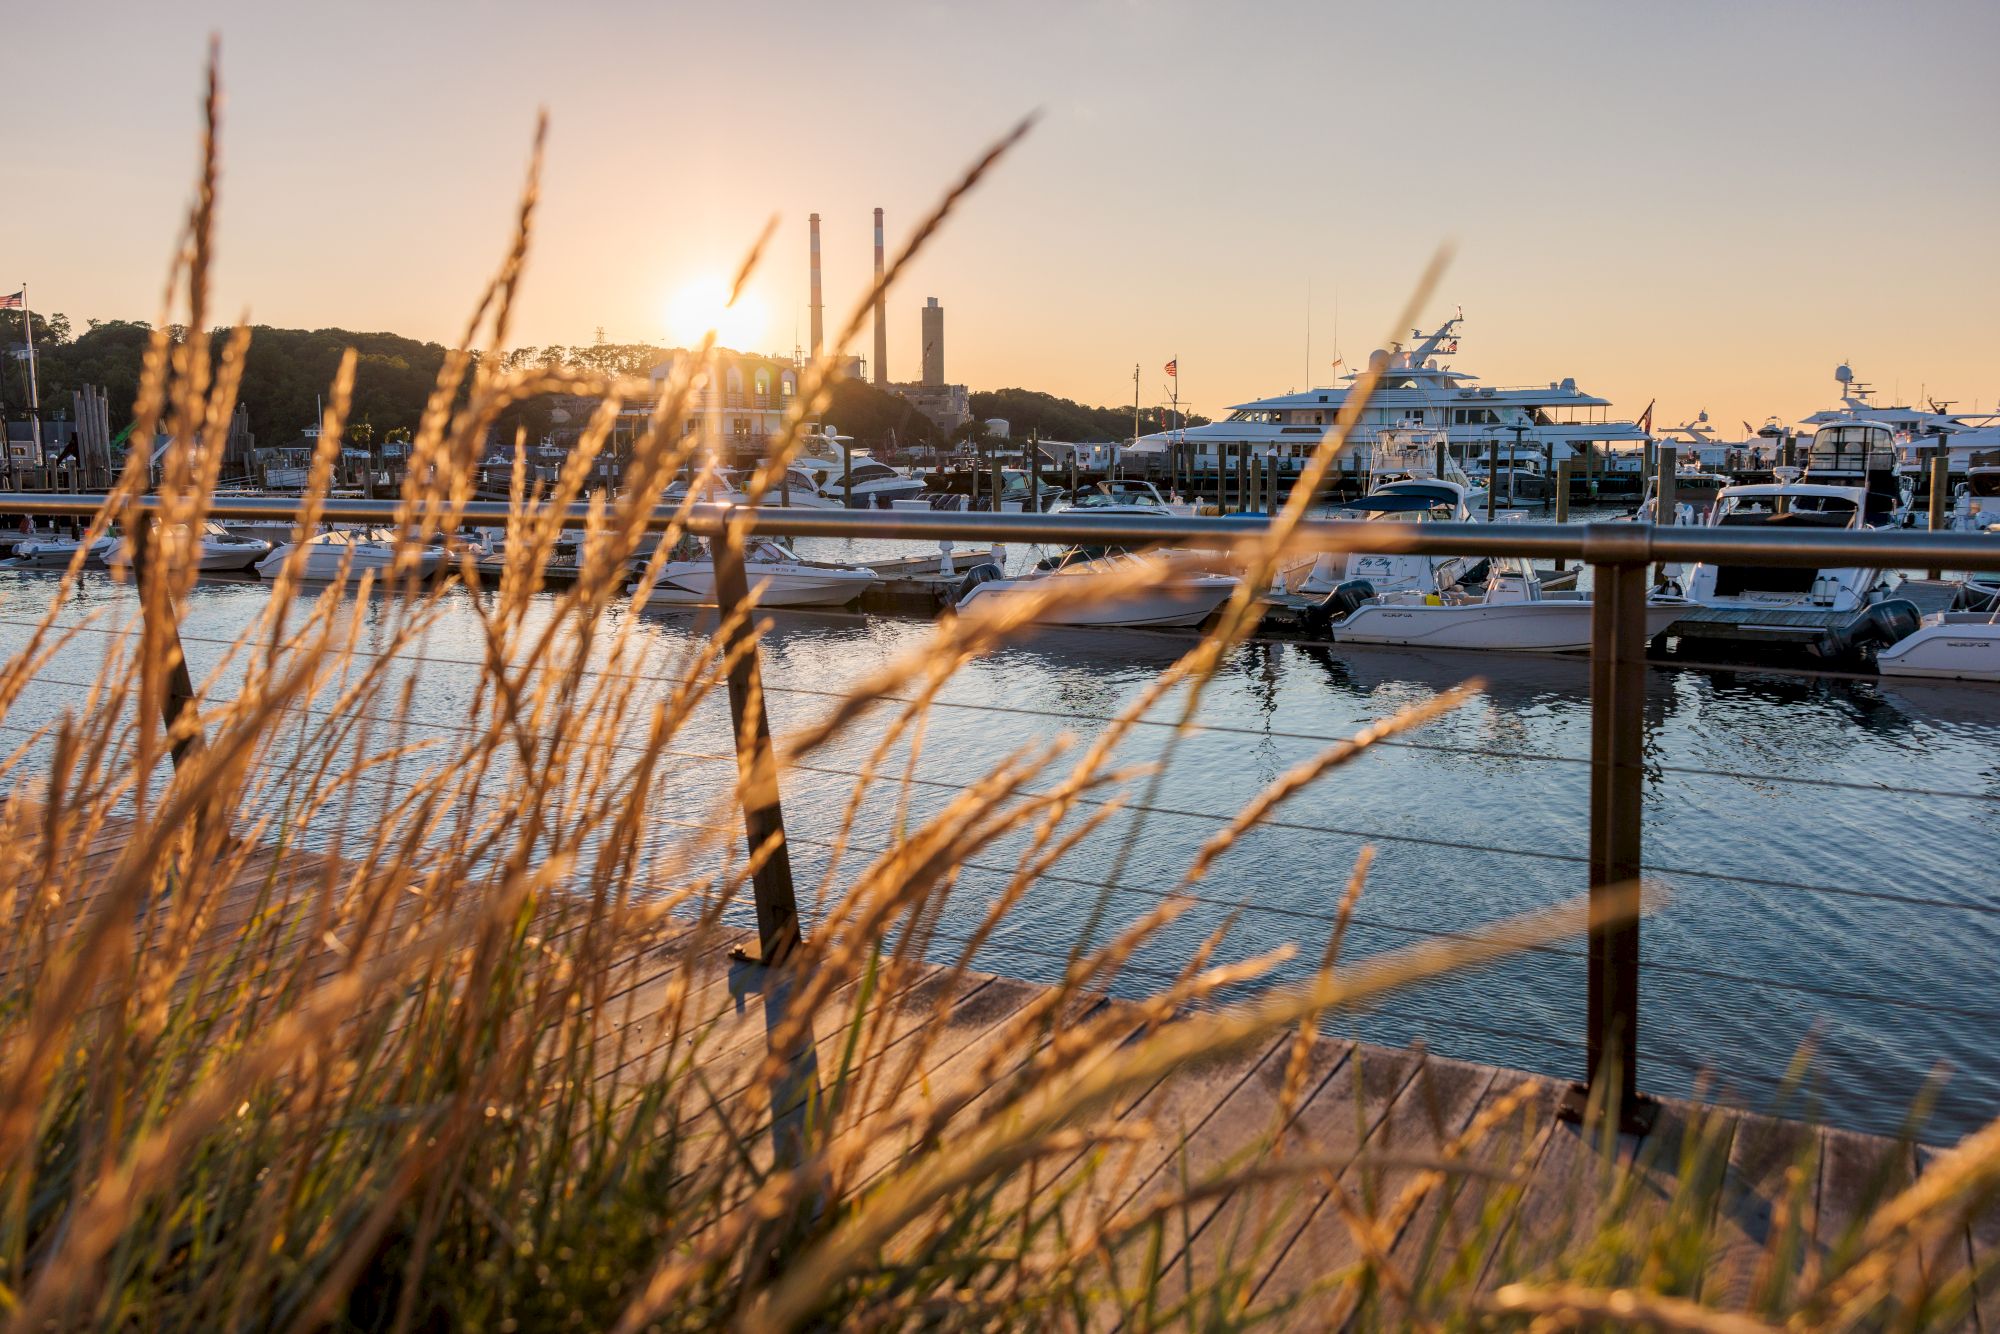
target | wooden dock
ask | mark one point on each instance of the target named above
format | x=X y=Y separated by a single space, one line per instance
x=1372 y=1120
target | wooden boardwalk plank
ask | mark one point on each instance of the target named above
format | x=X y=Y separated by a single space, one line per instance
x=1434 y=1107
x=1462 y=1224
x=1245 y=1128
x=1764 y=1219
x=1339 y=1120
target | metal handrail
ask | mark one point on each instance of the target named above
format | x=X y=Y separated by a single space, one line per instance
x=1619 y=553
x=1608 y=542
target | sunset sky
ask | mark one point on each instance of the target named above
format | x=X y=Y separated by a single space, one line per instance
x=1707 y=203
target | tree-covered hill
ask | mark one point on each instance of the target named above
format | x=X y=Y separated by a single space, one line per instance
x=288 y=371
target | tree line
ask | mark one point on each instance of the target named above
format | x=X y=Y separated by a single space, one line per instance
x=287 y=371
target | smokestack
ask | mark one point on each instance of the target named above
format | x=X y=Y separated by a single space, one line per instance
x=817 y=334
x=933 y=342
x=881 y=311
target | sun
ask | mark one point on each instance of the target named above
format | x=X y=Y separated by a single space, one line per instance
x=704 y=304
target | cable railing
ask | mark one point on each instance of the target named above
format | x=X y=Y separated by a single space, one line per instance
x=1617 y=766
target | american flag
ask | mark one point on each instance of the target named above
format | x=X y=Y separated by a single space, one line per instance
x=13 y=302
x=1173 y=367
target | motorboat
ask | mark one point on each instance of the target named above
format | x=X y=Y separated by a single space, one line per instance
x=1694 y=506
x=217 y=549
x=56 y=552
x=1171 y=597
x=1125 y=495
x=856 y=481
x=1976 y=502
x=1695 y=496
x=725 y=486
x=1513 y=613
x=1410 y=483
x=1957 y=645
x=353 y=550
x=777 y=576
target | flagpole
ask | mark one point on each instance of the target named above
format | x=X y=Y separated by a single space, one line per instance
x=34 y=392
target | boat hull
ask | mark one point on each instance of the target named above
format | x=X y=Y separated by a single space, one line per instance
x=1548 y=626
x=692 y=584
x=1958 y=647
x=322 y=565
x=47 y=554
x=215 y=557
x=1173 y=604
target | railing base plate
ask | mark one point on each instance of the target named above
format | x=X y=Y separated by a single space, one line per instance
x=1577 y=1108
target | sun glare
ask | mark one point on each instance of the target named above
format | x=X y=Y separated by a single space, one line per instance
x=704 y=304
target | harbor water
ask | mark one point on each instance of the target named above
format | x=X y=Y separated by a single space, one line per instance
x=1822 y=844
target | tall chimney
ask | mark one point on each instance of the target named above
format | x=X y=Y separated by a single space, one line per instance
x=933 y=342
x=817 y=333
x=881 y=311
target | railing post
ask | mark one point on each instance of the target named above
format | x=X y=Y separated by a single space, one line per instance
x=756 y=761
x=1617 y=738
x=180 y=686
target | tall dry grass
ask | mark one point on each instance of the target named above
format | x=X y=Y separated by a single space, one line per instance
x=482 y=1063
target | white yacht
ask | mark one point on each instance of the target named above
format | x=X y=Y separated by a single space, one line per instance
x=776 y=575
x=217 y=549
x=1918 y=432
x=355 y=549
x=1417 y=391
x=1802 y=504
x=1172 y=597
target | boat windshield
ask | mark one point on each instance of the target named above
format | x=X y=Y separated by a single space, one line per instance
x=770 y=552
x=1401 y=506
x=1983 y=482
x=1079 y=556
x=1807 y=511
x=1101 y=498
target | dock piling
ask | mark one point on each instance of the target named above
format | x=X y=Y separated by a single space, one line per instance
x=1940 y=479
x=1564 y=471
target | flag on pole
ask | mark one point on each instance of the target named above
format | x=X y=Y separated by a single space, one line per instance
x=1173 y=368
x=15 y=301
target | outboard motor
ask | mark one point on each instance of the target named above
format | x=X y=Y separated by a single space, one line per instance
x=984 y=573
x=1877 y=627
x=1337 y=605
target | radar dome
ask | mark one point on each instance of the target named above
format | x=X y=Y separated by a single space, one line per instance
x=1843 y=373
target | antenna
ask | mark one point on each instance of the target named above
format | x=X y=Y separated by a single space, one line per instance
x=1309 y=330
